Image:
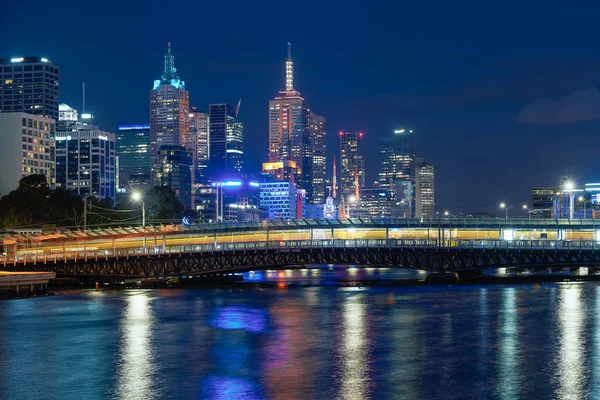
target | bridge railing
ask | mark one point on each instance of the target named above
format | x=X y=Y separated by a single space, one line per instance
x=296 y=245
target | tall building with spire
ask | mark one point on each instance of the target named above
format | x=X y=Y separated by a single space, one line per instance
x=169 y=110
x=170 y=145
x=289 y=131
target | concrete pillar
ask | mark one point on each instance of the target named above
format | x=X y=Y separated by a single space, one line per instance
x=17 y=291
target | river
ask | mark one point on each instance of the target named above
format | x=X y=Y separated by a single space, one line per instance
x=306 y=342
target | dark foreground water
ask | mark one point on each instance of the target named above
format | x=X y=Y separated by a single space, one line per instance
x=477 y=342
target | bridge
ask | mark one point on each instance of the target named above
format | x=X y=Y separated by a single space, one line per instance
x=433 y=245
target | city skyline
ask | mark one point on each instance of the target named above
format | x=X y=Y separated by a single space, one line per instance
x=490 y=93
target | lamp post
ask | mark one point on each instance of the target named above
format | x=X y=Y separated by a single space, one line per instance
x=137 y=196
x=505 y=207
x=569 y=187
x=527 y=211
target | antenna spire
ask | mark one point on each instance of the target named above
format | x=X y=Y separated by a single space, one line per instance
x=170 y=72
x=289 y=70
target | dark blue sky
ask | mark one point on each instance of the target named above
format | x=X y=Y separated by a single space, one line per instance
x=469 y=77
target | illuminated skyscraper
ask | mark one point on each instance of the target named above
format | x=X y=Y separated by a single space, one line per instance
x=169 y=111
x=397 y=171
x=226 y=140
x=319 y=161
x=424 y=189
x=133 y=142
x=352 y=168
x=30 y=85
x=289 y=131
x=200 y=145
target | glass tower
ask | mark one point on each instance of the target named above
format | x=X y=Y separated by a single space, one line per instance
x=133 y=149
x=319 y=160
x=226 y=141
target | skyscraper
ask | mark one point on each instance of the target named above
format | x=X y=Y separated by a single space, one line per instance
x=169 y=111
x=424 y=189
x=226 y=140
x=319 y=161
x=397 y=171
x=133 y=149
x=175 y=172
x=30 y=85
x=200 y=145
x=289 y=131
x=352 y=169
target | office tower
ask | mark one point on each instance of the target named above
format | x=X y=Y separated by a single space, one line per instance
x=352 y=168
x=280 y=171
x=27 y=148
x=133 y=149
x=86 y=161
x=68 y=117
x=279 y=198
x=200 y=145
x=30 y=85
x=542 y=201
x=319 y=161
x=175 y=171
x=397 y=171
x=289 y=131
x=169 y=111
x=226 y=140
x=424 y=189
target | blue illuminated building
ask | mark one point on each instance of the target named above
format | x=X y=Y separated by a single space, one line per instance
x=279 y=198
x=133 y=149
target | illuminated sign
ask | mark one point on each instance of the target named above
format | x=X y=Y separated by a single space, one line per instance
x=44 y=59
x=102 y=137
x=16 y=60
x=254 y=184
x=86 y=116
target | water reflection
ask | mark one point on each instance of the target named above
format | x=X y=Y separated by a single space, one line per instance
x=136 y=368
x=571 y=373
x=354 y=345
x=508 y=379
x=226 y=388
x=248 y=319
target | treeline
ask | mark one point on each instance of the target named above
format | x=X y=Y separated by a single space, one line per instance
x=33 y=203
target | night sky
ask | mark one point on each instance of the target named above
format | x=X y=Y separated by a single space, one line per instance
x=501 y=97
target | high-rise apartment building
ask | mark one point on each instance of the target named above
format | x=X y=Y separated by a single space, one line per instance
x=30 y=85
x=175 y=171
x=169 y=111
x=279 y=198
x=200 y=145
x=352 y=168
x=424 y=189
x=397 y=171
x=86 y=161
x=226 y=140
x=27 y=148
x=133 y=149
x=319 y=159
x=289 y=131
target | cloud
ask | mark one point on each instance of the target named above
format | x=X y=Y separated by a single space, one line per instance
x=580 y=105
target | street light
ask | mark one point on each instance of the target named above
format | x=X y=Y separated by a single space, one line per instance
x=505 y=207
x=137 y=196
x=446 y=213
x=527 y=210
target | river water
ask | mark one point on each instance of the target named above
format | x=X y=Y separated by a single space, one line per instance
x=309 y=342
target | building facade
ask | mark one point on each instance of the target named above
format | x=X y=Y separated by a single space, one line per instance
x=86 y=161
x=289 y=131
x=30 y=85
x=279 y=198
x=352 y=165
x=319 y=158
x=397 y=171
x=424 y=190
x=169 y=112
x=133 y=149
x=226 y=141
x=28 y=148
x=543 y=201
x=175 y=171
x=199 y=135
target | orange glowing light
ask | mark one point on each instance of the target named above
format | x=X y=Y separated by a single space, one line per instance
x=281 y=285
